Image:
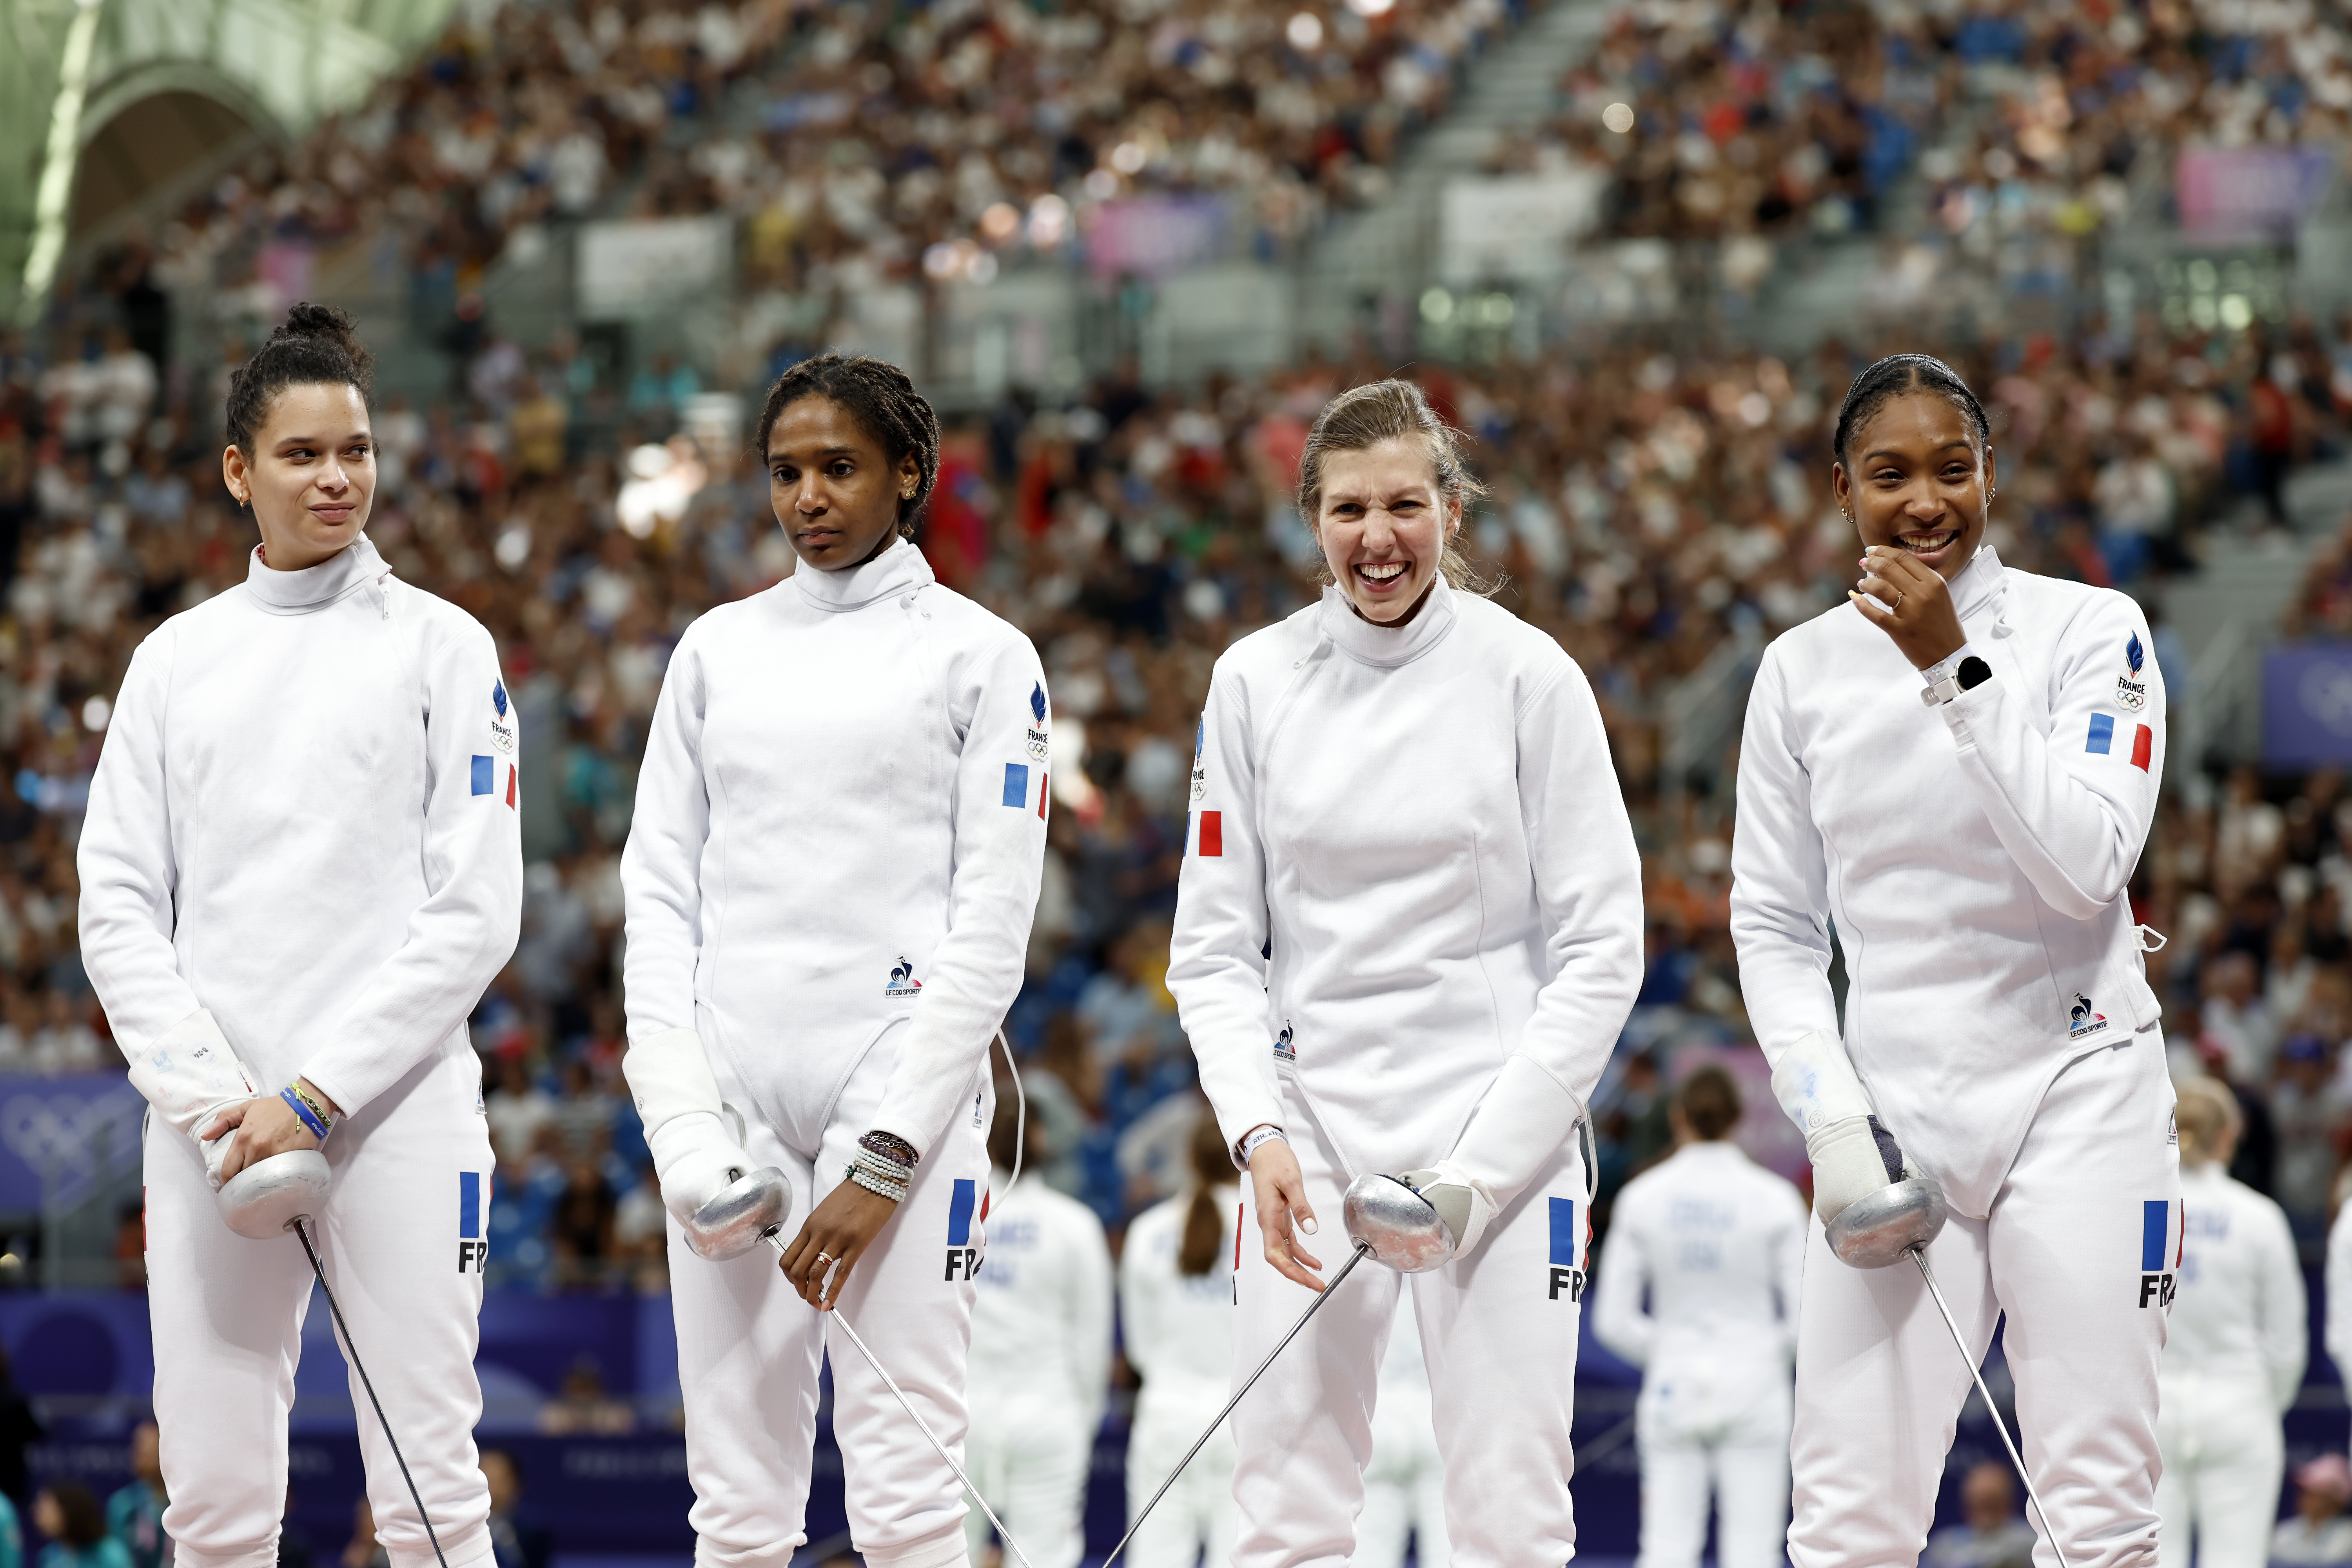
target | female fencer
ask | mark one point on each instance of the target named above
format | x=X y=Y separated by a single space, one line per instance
x=1718 y=1245
x=2233 y=1359
x=300 y=867
x=1176 y=1316
x=1408 y=932
x=839 y=838
x=1956 y=769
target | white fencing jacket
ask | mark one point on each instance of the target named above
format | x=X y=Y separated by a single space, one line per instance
x=1040 y=1318
x=1975 y=858
x=2336 y=1291
x=840 y=826
x=306 y=819
x=1178 y=1328
x=2239 y=1311
x=1423 y=824
x=1717 y=1242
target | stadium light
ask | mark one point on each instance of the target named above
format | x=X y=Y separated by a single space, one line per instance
x=1305 y=32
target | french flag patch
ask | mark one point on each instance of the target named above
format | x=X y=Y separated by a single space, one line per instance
x=1210 y=844
x=2143 y=746
x=2103 y=735
x=485 y=776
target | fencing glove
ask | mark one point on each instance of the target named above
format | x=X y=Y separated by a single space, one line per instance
x=190 y=1076
x=695 y=1153
x=1464 y=1203
x=1853 y=1154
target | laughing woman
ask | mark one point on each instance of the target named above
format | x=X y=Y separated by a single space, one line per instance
x=839 y=833
x=1408 y=933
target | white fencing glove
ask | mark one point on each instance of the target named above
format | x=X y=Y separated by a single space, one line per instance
x=1521 y=1122
x=1464 y=1203
x=189 y=1074
x=695 y=1152
x=1853 y=1154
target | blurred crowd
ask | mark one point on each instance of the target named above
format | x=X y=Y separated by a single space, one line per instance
x=857 y=142
x=2034 y=115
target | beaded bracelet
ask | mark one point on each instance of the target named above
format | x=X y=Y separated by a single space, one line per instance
x=319 y=1128
x=874 y=1177
x=891 y=1147
x=317 y=1107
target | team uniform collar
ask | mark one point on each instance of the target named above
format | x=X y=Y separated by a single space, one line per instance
x=898 y=569
x=313 y=587
x=1982 y=581
x=1387 y=647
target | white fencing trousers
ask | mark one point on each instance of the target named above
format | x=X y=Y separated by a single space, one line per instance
x=2224 y=1457
x=1498 y=1334
x=2079 y=1252
x=403 y=1260
x=1404 y=1489
x=1740 y=1467
x=1030 y=1457
x=1198 y=1513
x=750 y=1349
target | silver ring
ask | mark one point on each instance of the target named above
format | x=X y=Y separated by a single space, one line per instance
x=1897 y=604
x=826 y=1258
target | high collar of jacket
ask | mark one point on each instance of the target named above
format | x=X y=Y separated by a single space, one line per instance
x=898 y=569
x=313 y=587
x=1982 y=582
x=1387 y=647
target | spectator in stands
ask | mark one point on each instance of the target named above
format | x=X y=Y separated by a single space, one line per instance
x=1990 y=1535
x=2318 y=1534
x=364 y=1551
x=583 y=1408
x=518 y=1108
x=135 y=1514
x=12 y=1536
x=69 y=1517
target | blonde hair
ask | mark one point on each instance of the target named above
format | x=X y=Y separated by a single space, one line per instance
x=2208 y=1117
x=1363 y=418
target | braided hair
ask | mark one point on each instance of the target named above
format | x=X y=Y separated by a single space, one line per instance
x=317 y=345
x=883 y=400
x=1893 y=376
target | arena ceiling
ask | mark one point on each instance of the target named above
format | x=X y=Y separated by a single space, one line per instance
x=110 y=109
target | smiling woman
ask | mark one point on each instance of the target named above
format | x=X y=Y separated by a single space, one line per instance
x=1956 y=771
x=1408 y=932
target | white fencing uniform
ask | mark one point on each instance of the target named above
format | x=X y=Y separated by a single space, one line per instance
x=830 y=876
x=2233 y=1363
x=304 y=822
x=1479 y=931
x=1718 y=1244
x=1041 y=1343
x=1404 y=1486
x=1179 y=1332
x=1974 y=859
x=2336 y=1291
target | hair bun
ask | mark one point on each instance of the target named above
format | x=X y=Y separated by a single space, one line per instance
x=329 y=324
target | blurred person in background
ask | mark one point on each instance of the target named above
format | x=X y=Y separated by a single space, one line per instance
x=1176 y=1317
x=2317 y=1534
x=1453 y=957
x=856 y=1060
x=582 y=1407
x=520 y=1542
x=1716 y=1243
x=19 y=1426
x=69 y=1517
x=363 y=1550
x=2234 y=1354
x=12 y=1536
x=2307 y=1104
x=1404 y=1486
x=1990 y=1534
x=135 y=1514
x=1041 y=1349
